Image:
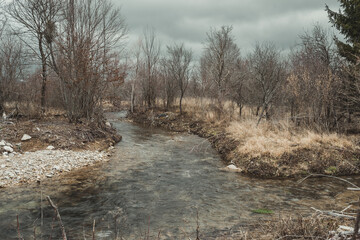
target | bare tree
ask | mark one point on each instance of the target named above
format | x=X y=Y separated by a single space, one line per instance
x=37 y=20
x=85 y=59
x=179 y=68
x=168 y=85
x=151 y=52
x=219 y=59
x=3 y=19
x=269 y=73
x=312 y=86
x=12 y=66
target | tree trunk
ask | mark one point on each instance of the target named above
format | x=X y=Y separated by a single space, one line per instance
x=132 y=98
x=44 y=75
x=181 y=98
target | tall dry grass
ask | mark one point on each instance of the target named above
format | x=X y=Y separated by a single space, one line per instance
x=270 y=137
x=281 y=137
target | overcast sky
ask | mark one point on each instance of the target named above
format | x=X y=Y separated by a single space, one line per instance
x=279 y=21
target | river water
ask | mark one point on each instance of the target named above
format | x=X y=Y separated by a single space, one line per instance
x=157 y=183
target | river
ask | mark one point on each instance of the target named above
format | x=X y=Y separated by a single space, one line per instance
x=157 y=183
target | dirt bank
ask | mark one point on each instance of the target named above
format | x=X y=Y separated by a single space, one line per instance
x=321 y=158
x=36 y=149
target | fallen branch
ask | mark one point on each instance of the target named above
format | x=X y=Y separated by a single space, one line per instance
x=333 y=214
x=58 y=217
x=328 y=176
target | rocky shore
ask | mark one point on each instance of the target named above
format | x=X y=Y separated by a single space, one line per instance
x=16 y=168
x=37 y=149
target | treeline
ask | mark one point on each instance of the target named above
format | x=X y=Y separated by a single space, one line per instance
x=75 y=43
x=79 y=44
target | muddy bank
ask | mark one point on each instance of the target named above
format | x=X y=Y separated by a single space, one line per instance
x=304 y=161
x=36 y=149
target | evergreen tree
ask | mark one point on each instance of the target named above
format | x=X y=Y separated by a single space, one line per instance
x=347 y=21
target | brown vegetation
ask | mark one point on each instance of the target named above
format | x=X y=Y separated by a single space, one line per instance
x=268 y=150
x=57 y=132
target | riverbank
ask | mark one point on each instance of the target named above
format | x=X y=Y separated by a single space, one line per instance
x=36 y=149
x=267 y=151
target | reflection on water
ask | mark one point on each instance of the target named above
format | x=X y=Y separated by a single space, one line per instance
x=157 y=182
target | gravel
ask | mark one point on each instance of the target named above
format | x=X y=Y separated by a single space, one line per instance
x=18 y=168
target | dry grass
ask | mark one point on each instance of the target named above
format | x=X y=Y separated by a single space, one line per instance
x=277 y=139
x=270 y=138
x=206 y=109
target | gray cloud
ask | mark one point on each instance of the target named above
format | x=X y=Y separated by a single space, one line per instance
x=279 y=21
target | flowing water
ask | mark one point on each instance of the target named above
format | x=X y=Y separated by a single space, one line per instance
x=156 y=182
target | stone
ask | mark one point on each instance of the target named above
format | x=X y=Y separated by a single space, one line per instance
x=232 y=166
x=11 y=155
x=8 y=149
x=50 y=148
x=25 y=137
x=2 y=143
x=108 y=124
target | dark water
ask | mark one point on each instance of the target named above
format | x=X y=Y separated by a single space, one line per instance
x=156 y=182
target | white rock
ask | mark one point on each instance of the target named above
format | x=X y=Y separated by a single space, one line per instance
x=233 y=167
x=50 y=148
x=25 y=137
x=8 y=149
x=11 y=155
x=108 y=124
x=2 y=143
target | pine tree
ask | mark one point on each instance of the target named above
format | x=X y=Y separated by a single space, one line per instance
x=347 y=21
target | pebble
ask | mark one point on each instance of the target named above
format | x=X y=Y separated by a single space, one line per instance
x=8 y=149
x=34 y=166
x=25 y=137
x=50 y=148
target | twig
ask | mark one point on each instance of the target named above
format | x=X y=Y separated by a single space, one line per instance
x=197 y=225
x=93 y=231
x=334 y=214
x=58 y=218
x=356 y=228
x=52 y=227
x=18 y=227
x=329 y=176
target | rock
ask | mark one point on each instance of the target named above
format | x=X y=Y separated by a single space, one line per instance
x=25 y=137
x=108 y=124
x=2 y=143
x=232 y=168
x=11 y=155
x=50 y=148
x=8 y=149
x=9 y=144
